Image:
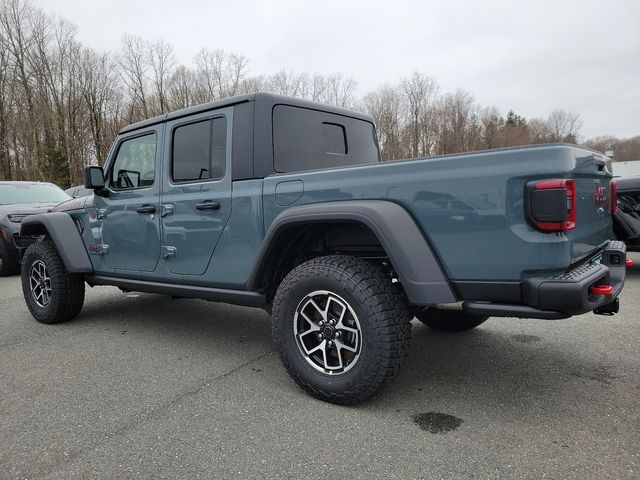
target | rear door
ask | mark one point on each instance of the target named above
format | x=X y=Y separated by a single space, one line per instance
x=196 y=189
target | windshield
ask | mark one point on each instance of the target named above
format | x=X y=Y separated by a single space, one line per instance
x=11 y=193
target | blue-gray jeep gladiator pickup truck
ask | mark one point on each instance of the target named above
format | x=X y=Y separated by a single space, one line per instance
x=279 y=203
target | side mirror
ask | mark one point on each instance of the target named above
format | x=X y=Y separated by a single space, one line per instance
x=93 y=178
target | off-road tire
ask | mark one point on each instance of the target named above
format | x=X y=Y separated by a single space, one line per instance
x=67 y=289
x=449 y=320
x=8 y=264
x=383 y=317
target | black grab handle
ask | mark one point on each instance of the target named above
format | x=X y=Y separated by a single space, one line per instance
x=208 y=205
x=146 y=209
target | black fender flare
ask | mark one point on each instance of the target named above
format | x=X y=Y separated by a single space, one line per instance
x=411 y=255
x=65 y=235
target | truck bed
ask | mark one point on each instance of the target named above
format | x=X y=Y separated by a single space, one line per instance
x=471 y=203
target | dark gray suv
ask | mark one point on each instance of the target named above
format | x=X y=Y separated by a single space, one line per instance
x=17 y=200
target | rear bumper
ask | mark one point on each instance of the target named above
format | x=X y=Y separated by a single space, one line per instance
x=569 y=292
x=563 y=295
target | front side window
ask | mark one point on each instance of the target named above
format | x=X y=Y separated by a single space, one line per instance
x=135 y=164
x=199 y=151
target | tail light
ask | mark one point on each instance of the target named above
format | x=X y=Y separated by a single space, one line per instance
x=551 y=204
x=613 y=200
x=601 y=290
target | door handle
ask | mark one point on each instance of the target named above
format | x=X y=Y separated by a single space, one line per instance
x=146 y=209
x=208 y=205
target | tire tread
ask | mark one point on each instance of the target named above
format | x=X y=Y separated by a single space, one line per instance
x=386 y=303
x=68 y=289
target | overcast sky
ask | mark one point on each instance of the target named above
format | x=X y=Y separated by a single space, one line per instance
x=531 y=56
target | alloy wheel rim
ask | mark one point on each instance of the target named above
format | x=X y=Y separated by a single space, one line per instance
x=40 y=283
x=327 y=332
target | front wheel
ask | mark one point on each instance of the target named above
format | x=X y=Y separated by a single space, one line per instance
x=449 y=320
x=342 y=328
x=52 y=294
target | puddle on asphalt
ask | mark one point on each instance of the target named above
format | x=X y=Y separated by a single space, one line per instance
x=526 y=338
x=599 y=374
x=434 y=422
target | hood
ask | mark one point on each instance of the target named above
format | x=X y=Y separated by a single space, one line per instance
x=72 y=204
x=12 y=215
x=27 y=208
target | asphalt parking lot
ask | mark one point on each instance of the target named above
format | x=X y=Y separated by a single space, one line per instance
x=143 y=386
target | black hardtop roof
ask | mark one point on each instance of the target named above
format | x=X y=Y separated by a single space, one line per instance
x=260 y=97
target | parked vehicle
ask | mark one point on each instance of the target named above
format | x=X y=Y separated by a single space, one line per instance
x=626 y=169
x=283 y=204
x=17 y=200
x=626 y=225
x=78 y=191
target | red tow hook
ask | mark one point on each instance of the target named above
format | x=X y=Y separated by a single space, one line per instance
x=601 y=290
x=628 y=262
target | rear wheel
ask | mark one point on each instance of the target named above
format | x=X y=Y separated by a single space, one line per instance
x=342 y=328
x=449 y=320
x=52 y=294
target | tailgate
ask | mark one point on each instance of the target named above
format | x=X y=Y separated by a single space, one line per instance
x=593 y=205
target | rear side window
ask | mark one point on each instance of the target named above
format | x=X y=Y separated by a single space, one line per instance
x=199 y=151
x=305 y=139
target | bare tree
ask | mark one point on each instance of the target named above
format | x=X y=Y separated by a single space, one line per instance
x=420 y=91
x=183 y=86
x=221 y=73
x=340 y=90
x=6 y=167
x=236 y=72
x=99 y=90
x=385 y=105
x=161 y=60
x=624 y=149
x=16 y=24
x=134 y=67
x=565 y=126
x=539 y=131
x=455 y=112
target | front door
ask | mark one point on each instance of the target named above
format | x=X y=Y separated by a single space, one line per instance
x=130 y=226
x=196 y=189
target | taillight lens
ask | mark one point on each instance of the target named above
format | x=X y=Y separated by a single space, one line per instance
x=551 y=204
x=613 y=202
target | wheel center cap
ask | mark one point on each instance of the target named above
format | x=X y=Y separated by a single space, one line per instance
x=328 y=331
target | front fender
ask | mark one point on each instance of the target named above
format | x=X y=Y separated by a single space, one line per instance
x=60 y=227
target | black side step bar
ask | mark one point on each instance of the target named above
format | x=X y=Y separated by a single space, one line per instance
x=504 y=310
x=235 y=297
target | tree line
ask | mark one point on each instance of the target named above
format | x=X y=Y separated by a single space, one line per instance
x=62 y=103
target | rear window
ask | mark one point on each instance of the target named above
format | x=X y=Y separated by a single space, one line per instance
x=305 y=139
